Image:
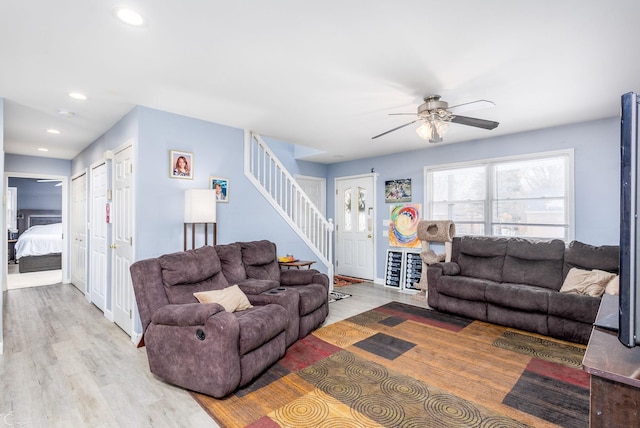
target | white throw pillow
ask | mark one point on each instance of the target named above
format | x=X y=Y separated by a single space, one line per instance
x=231 y=298
x=588 y=282
x=613 y=286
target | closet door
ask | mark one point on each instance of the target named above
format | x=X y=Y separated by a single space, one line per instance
x=122 y=241
x=98 y=233
x=78 y=256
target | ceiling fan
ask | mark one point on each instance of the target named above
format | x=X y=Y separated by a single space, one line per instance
x=436 y=115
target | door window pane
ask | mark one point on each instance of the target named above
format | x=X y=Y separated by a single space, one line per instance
x=347 y=210
x=362 y=203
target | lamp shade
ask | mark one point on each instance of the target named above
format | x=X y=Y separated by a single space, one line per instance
x=200 y=206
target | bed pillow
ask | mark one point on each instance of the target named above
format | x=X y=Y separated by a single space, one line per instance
x=231 y=298
x=588 y=282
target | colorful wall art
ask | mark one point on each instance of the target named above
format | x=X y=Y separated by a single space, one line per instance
x=403 y=226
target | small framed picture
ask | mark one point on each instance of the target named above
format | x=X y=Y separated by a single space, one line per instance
x=180 y=164
x=397 y=190
x=221 y=186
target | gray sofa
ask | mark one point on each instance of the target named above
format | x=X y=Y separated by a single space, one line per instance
x=515 y=282
x=201 y=346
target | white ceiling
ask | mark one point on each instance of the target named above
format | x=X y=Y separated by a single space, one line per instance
x=321 y=74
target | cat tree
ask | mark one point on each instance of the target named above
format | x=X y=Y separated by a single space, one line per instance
x=433 y=231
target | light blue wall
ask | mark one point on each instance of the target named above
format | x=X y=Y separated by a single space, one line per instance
x=218 y=150
x=34 y=195
x=596 y=175
x=36 y=165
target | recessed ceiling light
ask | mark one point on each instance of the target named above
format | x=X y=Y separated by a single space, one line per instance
x=53 y=131
x=77 y=96
x=129 y=16
x=42 y=149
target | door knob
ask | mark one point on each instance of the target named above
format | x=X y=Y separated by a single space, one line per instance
x=112 y=246
x=369 y=236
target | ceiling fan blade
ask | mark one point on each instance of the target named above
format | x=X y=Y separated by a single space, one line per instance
x=472 y=121
x=473 y=105
x=395 y=129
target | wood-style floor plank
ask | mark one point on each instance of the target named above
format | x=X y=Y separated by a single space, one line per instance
x=66 y=365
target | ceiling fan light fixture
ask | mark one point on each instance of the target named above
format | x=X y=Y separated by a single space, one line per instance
x=433 y=129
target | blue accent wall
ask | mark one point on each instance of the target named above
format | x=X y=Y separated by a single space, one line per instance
x=35 y=195
x=596 y=174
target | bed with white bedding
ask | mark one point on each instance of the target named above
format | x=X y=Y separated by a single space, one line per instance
x=39 y=247
x=40 y=240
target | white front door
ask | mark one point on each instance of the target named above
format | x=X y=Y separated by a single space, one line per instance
x=122 y=242
x=78 y=256
x=98 y=235
x=354 y=226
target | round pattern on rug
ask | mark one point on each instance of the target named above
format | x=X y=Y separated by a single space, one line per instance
x=343 y=422
x=369 y=373
x=452 y=411
x=342 y=389
x=404 y=389
x=305 y=411
x=384 y=410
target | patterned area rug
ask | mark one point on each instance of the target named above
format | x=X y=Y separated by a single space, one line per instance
x=342 y=281
x=404 y=366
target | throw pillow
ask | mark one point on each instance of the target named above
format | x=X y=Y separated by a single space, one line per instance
x=231 y=298
x=613 y=286
x=589 y=282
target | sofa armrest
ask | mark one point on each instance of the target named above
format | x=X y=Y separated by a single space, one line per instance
x=185 y=315
x=448 y=268
x=303 y=277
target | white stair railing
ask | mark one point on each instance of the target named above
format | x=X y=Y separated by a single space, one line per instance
x=271 y=178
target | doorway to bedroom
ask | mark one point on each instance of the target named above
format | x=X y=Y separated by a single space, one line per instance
x=34 y=231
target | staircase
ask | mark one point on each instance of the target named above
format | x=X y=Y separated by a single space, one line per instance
x=278 y=186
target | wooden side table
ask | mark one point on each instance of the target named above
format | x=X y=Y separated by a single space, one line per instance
x=297 y=264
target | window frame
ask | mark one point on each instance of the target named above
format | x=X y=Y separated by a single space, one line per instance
x=489 y=165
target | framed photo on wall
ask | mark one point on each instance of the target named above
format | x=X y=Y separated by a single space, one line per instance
x=221 y=186
x=180 y=164
x=397 y=190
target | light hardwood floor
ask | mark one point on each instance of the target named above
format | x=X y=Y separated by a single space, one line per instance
x=66 y=365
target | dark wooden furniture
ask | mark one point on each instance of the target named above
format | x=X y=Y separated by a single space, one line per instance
x=615 y=375
x=11 y=250
x=297 y=264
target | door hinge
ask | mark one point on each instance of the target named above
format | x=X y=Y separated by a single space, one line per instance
x=131 y=241
x=131 y=168
x=130 y=314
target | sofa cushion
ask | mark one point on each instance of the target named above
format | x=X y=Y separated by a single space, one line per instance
x=260 y=260
x=482 y=257
x=231 y=298
x=259 y=325
x=585 y=256
x=257 y=286
x=577 y=307
x=189 y=267
x=231 y=259
x=463 y=287
x=518 y=296
x=312 y=296
x=589 y=282
x=534 y=262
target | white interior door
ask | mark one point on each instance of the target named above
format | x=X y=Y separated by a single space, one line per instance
x=98 y=234
x=354 y=227
x=78 y=256
x=122 y=245
x=316 y=190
